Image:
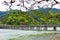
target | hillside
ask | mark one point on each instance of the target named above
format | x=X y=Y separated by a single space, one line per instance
x=2 y=13
x=35 y=17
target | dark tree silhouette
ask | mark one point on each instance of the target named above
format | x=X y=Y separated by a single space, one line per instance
x=11 y=2
x=7 y=3
x=56 y=2
x=22 y=2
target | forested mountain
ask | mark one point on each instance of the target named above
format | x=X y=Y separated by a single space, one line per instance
x=2 y=13
x=33 y=17
x=44 y=10
x=31 y=12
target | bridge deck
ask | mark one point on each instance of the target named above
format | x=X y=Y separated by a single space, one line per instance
x=27 y=27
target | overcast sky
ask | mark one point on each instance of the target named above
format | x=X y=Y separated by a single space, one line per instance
x=5 y=8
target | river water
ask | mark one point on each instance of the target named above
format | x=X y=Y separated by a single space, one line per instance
x=6 y=34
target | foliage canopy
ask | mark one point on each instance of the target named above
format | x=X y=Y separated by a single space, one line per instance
x=33 y=17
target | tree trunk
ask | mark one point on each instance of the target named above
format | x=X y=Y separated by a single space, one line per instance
x=23 y=2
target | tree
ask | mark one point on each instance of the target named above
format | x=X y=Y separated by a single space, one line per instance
x=7 y=3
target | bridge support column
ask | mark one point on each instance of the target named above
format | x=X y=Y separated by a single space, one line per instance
x=45 y=28
x=54 y=28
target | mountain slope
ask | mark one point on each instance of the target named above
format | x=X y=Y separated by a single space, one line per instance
x=2 y=13
x=44 y=10
x=33 y=17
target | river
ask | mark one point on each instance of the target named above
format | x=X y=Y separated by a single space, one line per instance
x=6 y=34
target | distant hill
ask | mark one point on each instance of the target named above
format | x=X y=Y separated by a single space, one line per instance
x=2 y=13
x=44 y=10
x=33 y=17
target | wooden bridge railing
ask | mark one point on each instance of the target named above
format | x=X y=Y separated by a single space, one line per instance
x=27 y=27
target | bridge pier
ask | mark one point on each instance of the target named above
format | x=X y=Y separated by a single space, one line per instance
x=54 y=28
x=45 y=28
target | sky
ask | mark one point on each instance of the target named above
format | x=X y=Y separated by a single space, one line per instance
x=27 y=5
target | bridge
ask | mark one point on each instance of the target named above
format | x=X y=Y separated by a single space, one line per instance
x=27 y=27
